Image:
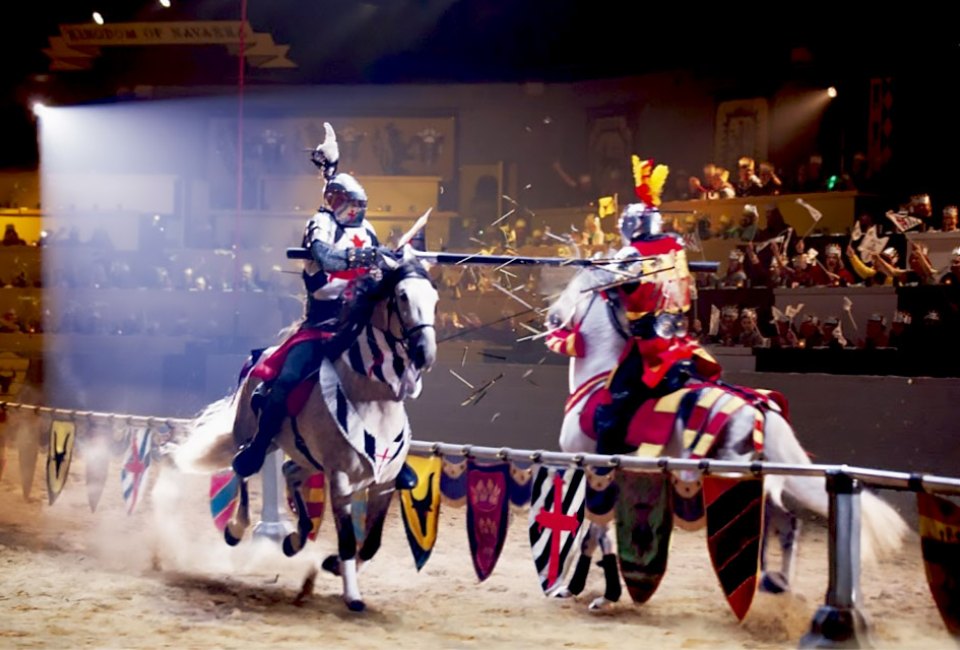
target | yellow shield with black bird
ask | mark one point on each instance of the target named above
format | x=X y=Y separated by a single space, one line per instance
x=59 y=454
x=940 y=545
x=420 y=507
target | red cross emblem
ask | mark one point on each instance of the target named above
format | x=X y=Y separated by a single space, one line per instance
x=558 y=522
x=358 y=241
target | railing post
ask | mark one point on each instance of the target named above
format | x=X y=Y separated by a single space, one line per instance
x=272 y=524
x=839 y=622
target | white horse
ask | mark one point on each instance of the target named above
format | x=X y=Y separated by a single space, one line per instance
x=353 y=426
x=601 y=326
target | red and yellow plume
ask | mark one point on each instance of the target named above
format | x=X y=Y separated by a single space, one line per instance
x=648 y=180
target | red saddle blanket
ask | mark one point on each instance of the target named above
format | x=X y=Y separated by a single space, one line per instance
x=268 y=367
x=653 y=423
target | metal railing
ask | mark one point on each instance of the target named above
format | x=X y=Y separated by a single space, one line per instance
x=839 y=622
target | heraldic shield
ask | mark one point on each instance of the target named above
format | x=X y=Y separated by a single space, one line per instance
x=557 y=507
x=420 y=507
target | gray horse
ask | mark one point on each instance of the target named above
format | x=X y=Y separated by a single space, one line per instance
x=353 y=426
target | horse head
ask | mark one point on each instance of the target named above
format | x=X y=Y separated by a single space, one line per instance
x=412 y=309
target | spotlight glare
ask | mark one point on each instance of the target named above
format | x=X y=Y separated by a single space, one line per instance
x=97 y=18
x=831 y=92
x=38 y=108
x=165 y=4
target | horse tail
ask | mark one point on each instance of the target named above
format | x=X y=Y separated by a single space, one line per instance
x=209 y=443
x=882 y=529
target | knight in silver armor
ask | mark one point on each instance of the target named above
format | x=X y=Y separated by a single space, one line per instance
x=342 y=245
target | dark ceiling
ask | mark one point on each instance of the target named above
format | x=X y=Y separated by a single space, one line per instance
x=399 y=41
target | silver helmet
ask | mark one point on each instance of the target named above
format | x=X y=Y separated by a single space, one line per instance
x=346 y=199
x=639 y=219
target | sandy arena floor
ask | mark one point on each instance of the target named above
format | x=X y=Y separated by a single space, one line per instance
x=163 y=578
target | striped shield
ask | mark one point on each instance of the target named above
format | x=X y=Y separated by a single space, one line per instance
x=314 y=492
x=224 y=497
x=59 y=455
x=487 y=513
x=557 y=506
x=136 y=466
x=420 y=507
x=734 y=508
x=940 y=544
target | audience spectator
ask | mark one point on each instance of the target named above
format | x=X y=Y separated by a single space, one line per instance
x=920 y=208
x=770 y=183
x=786 y=334
x=919 y=271
x=837 y=275
x=872 y=275
x=748 y=183
x=735 y=277
x=746 y=231
x=728 y=328
x=750 y=335
x=721 y=188
x=948 y=223
x=901 y=336
x=11 y=237
x=952 y=276
x=876 y=334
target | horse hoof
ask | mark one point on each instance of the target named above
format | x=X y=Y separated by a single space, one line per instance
x=331 y=564
x=356 y=605
x=563 y=592
x=289 y=547
x=774 y=582
x=229 y=538
x=600 y=603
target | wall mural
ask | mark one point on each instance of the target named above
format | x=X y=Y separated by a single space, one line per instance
x=369 y=146
x=742 y=129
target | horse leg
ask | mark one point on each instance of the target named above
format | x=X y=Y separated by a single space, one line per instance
x=295 y=476
x=240 y=521
x=578 y=581
x=611 y=572
x=378 y=502
x=784 y=524
x=346 y=561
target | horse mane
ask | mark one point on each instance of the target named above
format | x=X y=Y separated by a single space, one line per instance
x=582 y=281
x=362 y=298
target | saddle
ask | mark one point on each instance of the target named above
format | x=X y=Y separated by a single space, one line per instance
x=265 y=365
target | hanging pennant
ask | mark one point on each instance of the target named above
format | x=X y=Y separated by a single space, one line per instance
x=688 y=503
x=601 y=494
x=521 y=484
x=453 y=482
x=557 y=506
x=644 y=526
x=734 y=512
x=224 y=497
x=59 y=454
x=940 y=545
x=28 y=448
x=136 y=466
x=95 y=450
x=420 y=507
x=487 y=514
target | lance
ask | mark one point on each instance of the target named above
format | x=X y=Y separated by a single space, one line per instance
x=517 y=260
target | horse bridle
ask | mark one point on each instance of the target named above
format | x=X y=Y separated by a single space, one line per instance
x=393 y=310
